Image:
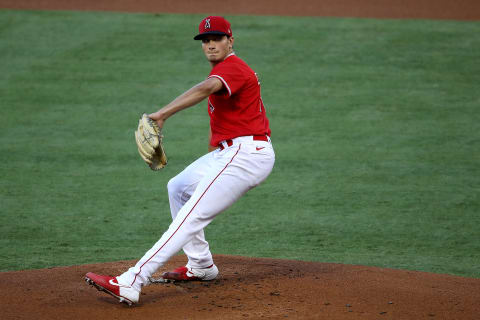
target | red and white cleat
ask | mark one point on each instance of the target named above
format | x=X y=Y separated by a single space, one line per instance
x=191 y=274
x=124 y=293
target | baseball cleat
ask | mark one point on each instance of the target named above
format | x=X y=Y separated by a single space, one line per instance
x=187 y=273
x=124 y=293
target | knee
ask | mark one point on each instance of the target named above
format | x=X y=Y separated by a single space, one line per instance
x=178 y=190
x=173 y=186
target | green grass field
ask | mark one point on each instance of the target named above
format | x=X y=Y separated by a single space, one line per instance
x=376 y=127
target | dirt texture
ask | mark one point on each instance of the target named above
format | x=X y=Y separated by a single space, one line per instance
x=246 y=289
x=424 y=9
x=252 y=288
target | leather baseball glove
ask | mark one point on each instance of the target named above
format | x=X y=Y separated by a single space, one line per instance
x=149 y=143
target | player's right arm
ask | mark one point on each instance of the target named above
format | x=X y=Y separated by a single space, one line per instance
x=189 y=98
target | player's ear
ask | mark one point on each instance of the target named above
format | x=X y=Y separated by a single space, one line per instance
x=231 y=40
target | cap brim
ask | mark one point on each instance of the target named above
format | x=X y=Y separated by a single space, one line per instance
x=202 y=35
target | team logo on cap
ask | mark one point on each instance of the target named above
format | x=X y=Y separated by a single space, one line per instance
x=207 y=23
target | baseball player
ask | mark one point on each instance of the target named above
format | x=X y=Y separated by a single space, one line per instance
x=240 y=157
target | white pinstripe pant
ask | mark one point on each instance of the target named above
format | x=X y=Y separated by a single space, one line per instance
x=197 y=195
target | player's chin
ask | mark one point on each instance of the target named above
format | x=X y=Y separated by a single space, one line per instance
x=214 y=58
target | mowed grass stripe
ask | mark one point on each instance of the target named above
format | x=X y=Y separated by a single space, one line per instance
x=375 y=126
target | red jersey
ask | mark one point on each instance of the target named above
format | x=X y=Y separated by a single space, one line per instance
x=237 y=109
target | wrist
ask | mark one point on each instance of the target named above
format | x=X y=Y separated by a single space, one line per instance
x=157 y=116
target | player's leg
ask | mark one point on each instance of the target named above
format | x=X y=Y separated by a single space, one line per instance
x=234 y=172
x=180 y=189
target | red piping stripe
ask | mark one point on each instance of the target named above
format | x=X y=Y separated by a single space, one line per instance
x=187 y=214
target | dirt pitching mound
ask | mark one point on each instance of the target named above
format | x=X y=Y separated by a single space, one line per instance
x=425 y=9
x=248 y=288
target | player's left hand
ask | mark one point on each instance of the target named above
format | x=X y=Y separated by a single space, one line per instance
x=149 y=141
x=160 y=122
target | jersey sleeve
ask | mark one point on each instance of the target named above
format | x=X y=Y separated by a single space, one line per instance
x=231 y=76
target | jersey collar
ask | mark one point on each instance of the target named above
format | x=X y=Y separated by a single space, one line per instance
x=231 y=54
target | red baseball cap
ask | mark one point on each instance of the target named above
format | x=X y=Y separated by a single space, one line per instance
x=213 y=25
